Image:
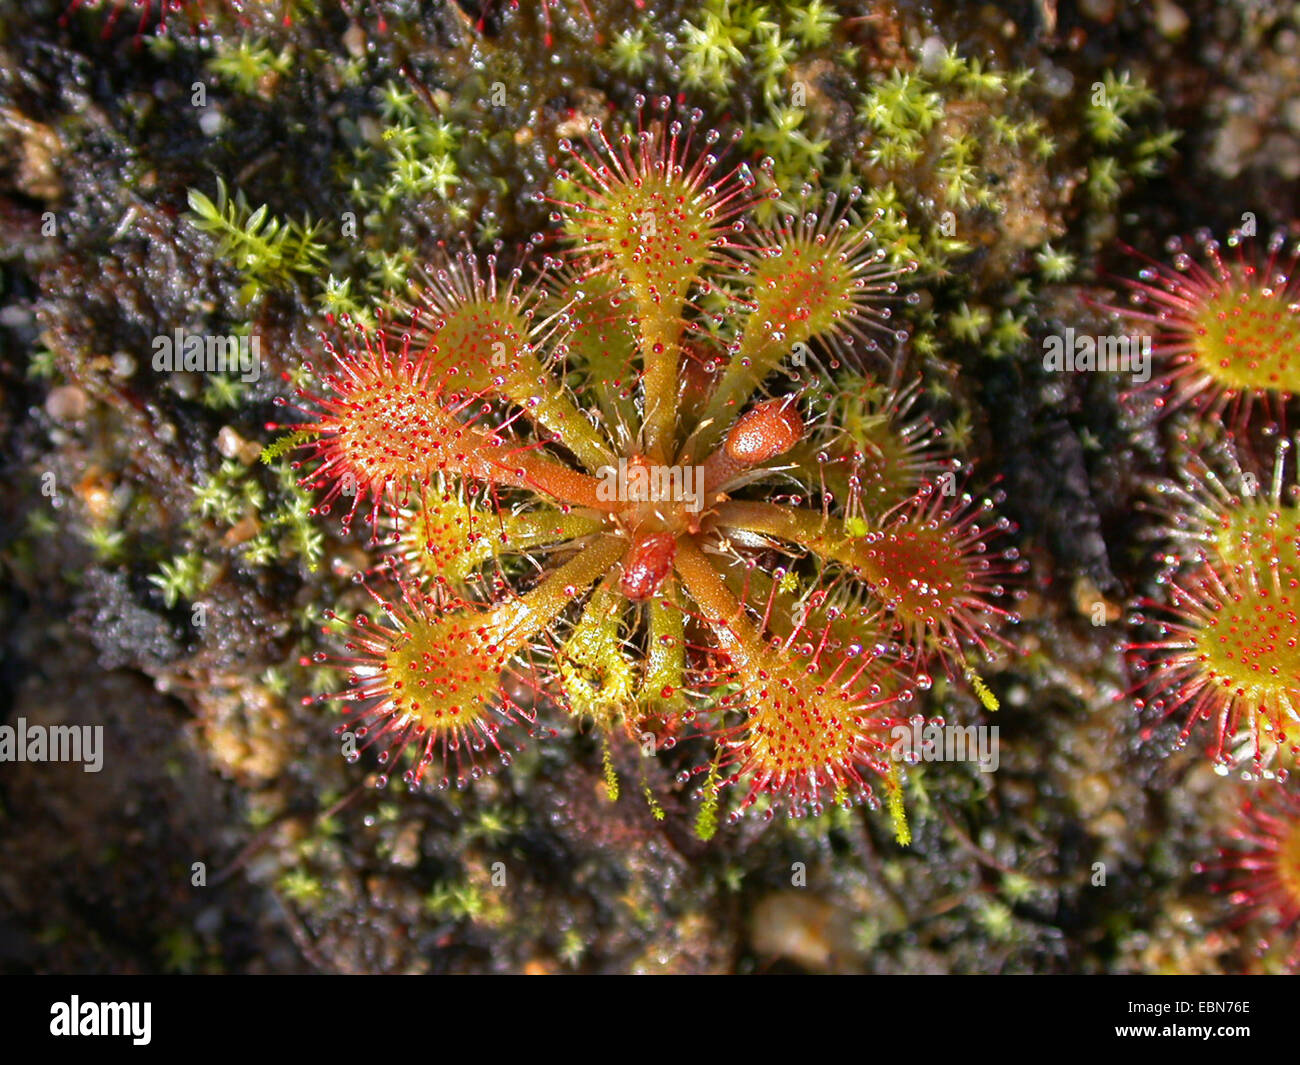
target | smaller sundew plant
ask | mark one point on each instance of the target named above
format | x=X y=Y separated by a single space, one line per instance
x=1228 y=646
x=1225 y=325
x=618 y=488
x=1260 y=872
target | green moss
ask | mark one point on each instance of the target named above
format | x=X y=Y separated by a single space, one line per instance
x=222 y=391
x=1113 y=100
x=301 y=888
x=267 y=252
x=106 y=543
x=969 y=323
x=1055 y=265
x=249 y=65
x=181 y=578
x=629 y=51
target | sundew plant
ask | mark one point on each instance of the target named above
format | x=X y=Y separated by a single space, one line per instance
x=656 y=480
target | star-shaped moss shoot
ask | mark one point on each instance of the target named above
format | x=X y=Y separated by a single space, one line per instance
x=648 y=480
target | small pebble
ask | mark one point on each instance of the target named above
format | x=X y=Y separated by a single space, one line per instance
x=1171 y=20
x=1102 y=11
x=16 y=316
x=1056 y=81
x=242 y=531
x=798 y=927
x=233 y=446
x=67 y=403
x=229 y=442
x=211 y=121
x=933 y=51
x=122 y=366
x=354 y=40
x=1237 y=140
